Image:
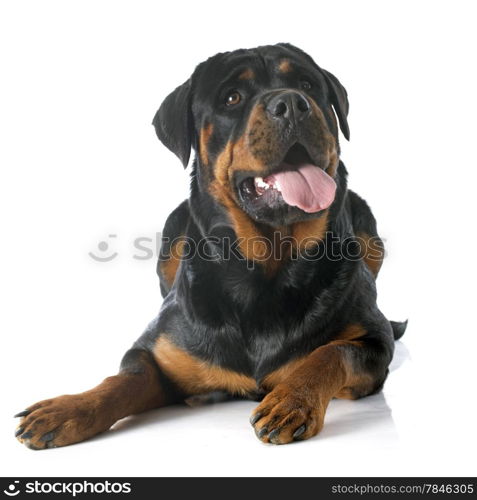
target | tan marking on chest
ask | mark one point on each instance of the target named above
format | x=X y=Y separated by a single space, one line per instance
x=309 y=232
x=194 y=376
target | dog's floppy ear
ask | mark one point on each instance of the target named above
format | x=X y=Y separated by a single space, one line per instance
x=173 y=122
x=339 y=100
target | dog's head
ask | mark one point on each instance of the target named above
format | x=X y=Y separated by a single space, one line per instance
x=262 y=122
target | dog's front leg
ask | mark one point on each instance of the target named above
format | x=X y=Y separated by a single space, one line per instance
x=295 y=408
x=72 y=418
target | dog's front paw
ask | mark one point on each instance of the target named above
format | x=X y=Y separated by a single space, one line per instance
x=286 y=415
x=57 y=422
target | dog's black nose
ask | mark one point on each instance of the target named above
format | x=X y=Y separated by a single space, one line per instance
x=289 y=105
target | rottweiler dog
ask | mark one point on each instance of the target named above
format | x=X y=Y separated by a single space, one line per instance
x=268 y=270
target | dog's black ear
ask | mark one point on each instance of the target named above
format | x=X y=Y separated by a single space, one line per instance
x=339 y=100
x=173 y=122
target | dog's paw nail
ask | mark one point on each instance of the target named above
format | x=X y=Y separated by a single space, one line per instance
x=23 y=413
x=273 y=435
x=262 y=432
x=299 y=431
x=27 y=435
x=19 y=431
x=48 y=436
x=255 y=418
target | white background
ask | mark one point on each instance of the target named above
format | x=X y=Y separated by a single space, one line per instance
x=80 y=82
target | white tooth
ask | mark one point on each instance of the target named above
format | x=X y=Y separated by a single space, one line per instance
x=259 y=182
x=277 y=186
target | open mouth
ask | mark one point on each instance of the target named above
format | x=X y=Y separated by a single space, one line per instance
x=296 y=182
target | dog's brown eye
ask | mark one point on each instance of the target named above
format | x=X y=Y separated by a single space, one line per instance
x=233 y=98
x=305 y=85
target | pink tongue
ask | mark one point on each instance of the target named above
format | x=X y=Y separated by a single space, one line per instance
x=309 y=188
